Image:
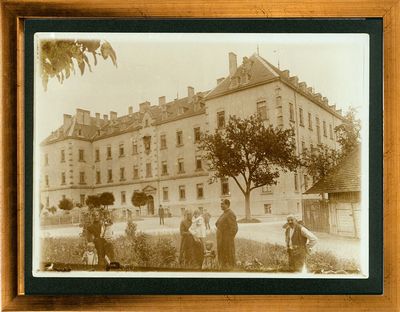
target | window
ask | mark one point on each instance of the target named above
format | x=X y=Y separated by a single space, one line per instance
x=197 y=134
x=123 y=198
x=182 y=193
x=200 y=191
x=225 y=186
x=109 y=155
x=122 y=174
x=82 y=199
x=121 y=150
x=311 y=147
x=179 y=138
x=81 y=155
x=278 y=101
x=146 y=123
x=305 y=182
x=164 y=168
x=62 y=156
x=47 y=202
x=266 y=189
x=135 y=172
x=165 y=193
x=309 y=121
x=82 y=177
x=64 y=196
x=109 y=175
x=291 y=112
x=324 y=129
x=199 y=164
x=134 y=148
x=97 y=154
x=303 y=146
x=221 y=120
x=148 y=170
x=267 y=208
x=296 y=182
x=181 y=167
x=62 y=178
x=147 y=143
x=318 y=130
x=330 y=132
x=79 y=132
x=46 y=180
x=301 y=117
x=46 y=159
x=163 y=141
x=98 y=177
x=262 y=110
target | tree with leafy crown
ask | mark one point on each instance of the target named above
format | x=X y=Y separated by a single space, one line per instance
x=59 y=57
x=139 y=199
x=251 y=153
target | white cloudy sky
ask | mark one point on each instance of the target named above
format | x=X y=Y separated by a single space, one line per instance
x=153 y=65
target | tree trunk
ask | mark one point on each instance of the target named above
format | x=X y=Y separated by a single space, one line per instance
x=247 y=206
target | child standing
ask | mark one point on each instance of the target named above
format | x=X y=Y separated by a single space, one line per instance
x=90 y=256
x=209 y=262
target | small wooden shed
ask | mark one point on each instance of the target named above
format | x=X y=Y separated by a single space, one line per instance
x=343 y=186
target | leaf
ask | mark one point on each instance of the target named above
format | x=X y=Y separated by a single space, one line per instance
x=107 y=51
x=82 y=67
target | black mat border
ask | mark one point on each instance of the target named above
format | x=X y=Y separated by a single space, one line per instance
x=121 y=286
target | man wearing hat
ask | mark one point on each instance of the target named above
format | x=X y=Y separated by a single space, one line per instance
x=299 y=241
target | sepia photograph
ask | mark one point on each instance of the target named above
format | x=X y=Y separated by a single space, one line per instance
x=201 y=155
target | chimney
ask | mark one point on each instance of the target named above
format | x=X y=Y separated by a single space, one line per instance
x=83 y=116
x=67 y=121
x=339 y=111
x=219 y=80
x=130 y=110
x=105 y=117
x=303 y=86
x=190 y=93
x=97 y=119
x=294 y=80
x=232 y=63
x=285 y=73
x=310 y=90
x=325 y=100
x=113 y=115
x=332 y=107
x=161 y=100
x=144 y=106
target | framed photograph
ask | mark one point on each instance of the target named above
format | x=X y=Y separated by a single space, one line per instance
x=198 y=157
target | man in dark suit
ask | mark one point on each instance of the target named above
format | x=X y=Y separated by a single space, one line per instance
x=226 y=231
x=161 y=214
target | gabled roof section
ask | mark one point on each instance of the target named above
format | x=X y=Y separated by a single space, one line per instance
x=346 y=177
x=251 y=72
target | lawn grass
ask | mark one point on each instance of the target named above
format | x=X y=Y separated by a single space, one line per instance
x=161 y=251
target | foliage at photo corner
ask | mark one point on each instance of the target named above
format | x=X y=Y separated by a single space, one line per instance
x=251 y=153
x=136 y=249
x=319 y=161
x=58 y=58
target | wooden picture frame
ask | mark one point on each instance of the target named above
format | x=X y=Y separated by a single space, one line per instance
x=13 y=14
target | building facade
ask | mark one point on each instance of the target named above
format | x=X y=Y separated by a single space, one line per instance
x=155 y=149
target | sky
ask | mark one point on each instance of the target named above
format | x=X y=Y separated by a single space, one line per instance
x=153 y=65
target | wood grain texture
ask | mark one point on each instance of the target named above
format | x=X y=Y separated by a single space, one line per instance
x=11 y=140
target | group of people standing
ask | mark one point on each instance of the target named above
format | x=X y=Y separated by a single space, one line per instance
x=195 y=252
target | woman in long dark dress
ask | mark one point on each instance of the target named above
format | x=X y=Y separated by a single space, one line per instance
x=186 y=248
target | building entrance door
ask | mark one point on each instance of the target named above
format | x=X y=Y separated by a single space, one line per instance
x=150 y=205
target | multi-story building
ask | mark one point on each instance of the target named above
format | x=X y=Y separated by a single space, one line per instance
x=155 y=149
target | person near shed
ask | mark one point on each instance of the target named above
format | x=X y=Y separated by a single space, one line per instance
x=299 y=242
x=226 y=231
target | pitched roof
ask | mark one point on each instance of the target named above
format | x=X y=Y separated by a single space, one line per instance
x=99 y=129
x=345 y=177
x=254 y=71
